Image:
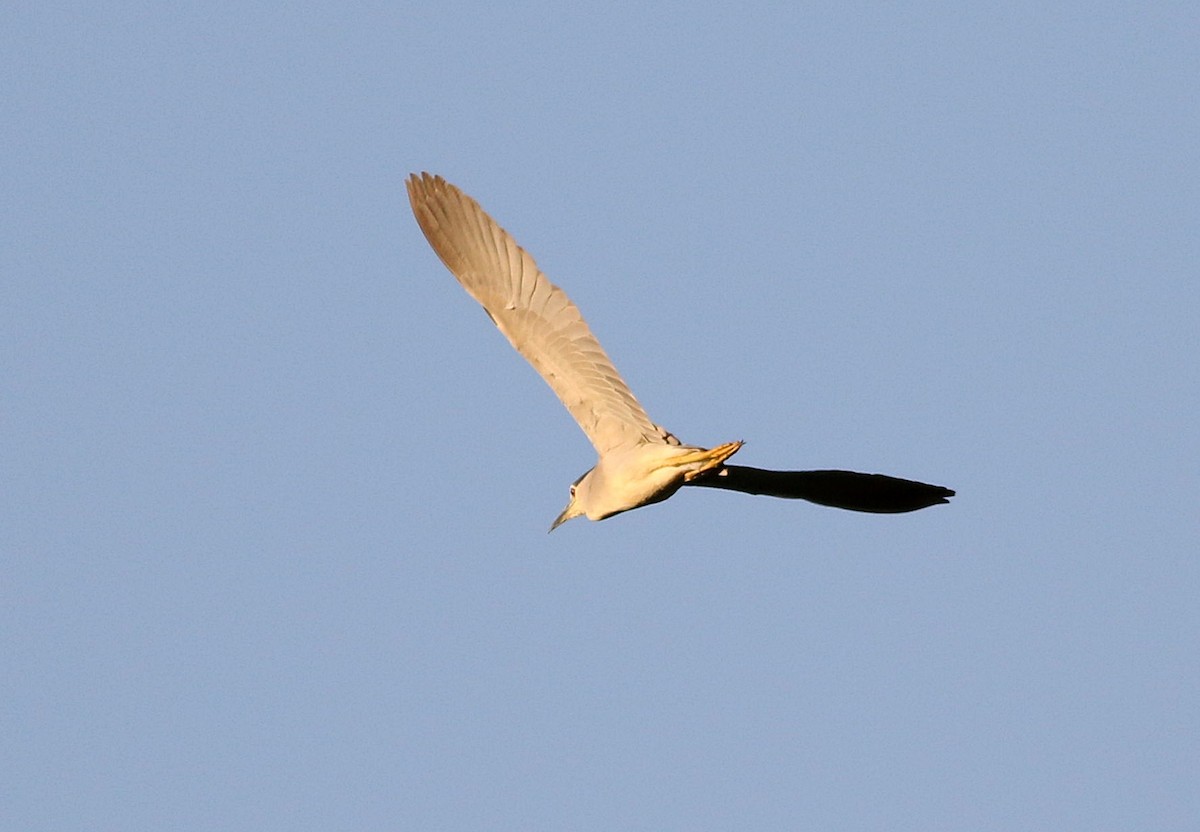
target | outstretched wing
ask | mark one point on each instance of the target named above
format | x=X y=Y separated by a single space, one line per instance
x=535 y=315
x=839 y=489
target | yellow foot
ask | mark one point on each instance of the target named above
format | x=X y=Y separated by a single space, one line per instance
x=708 y=459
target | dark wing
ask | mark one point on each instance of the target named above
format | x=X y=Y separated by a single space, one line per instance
x=839 y=489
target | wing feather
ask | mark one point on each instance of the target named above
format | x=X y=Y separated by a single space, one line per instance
x=533 y=314
x=877 y=493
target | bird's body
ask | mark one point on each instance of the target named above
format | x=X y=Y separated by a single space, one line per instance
x=636 y=475
x=638 y=462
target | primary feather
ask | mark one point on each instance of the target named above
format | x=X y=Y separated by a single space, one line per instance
x=535 y=315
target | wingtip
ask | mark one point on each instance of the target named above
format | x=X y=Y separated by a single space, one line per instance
x=423 y=181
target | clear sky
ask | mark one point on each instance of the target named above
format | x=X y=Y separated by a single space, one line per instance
x=273 y=511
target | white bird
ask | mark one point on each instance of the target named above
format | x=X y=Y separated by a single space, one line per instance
x=638 y=461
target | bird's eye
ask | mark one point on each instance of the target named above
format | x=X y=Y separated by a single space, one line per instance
x=572 y=491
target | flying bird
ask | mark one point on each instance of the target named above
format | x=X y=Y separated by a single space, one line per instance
x=638 y=462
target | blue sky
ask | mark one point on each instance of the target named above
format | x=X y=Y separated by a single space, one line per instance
x=275 y=492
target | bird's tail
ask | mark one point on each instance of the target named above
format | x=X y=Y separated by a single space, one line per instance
x=708 y=459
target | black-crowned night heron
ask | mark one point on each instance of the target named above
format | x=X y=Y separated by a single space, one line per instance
x=639 y=462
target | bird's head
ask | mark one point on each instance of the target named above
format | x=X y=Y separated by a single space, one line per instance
x=577 y=505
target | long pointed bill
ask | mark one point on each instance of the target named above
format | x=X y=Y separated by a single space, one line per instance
x=560 y=519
